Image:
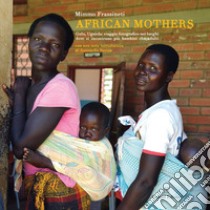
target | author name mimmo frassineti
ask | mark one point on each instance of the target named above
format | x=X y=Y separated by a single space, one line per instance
x=104 y=20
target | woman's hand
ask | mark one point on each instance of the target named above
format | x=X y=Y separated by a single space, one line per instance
x=21 y=85
x=9 y=92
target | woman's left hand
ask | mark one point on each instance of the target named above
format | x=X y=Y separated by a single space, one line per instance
x=9 y=92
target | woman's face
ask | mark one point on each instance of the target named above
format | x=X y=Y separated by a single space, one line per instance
x=46 y=46
x=150 y=73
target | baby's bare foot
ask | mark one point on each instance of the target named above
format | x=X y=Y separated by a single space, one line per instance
x=26 y=154
x=33 y=157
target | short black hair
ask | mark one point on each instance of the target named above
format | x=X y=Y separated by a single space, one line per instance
x=170 y=54
x=99 y=109
x=55 y=18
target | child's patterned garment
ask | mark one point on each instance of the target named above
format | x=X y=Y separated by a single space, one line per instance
x=178 y=187
x=91 y=164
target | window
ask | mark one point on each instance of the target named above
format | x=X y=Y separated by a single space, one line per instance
x=21 y=61
x=106 y=86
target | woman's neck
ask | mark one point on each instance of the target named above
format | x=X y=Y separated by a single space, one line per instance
x=42 y=77
x=153 y=98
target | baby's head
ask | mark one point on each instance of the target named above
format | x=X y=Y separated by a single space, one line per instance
x=94 y=121
x=191 y=152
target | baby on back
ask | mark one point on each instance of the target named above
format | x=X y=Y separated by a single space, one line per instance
x=194 y=152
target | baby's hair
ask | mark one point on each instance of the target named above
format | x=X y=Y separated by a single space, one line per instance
x=55 y=18
x=170 y=54
x=99 y=109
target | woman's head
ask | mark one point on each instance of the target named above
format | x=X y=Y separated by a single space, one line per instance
x=171 y=60
x=94 y=121
x=156 y=67
x=55 y=18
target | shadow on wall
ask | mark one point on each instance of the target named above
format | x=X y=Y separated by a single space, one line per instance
x=4 y=142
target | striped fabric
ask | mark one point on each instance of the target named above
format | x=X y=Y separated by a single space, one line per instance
x=91 y=164
x=47 y=192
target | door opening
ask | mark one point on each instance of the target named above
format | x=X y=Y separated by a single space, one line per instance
x=93 y=83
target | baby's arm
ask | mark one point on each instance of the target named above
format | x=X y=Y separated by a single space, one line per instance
x=36 y=159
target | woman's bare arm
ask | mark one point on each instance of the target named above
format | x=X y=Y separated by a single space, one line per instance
x=30 y=131
x=142 y=187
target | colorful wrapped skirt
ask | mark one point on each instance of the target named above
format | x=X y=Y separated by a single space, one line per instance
x=45 y=191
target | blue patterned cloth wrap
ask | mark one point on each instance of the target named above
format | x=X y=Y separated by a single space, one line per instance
x=178 y=186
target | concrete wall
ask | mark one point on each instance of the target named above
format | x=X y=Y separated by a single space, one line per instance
x=5 y=61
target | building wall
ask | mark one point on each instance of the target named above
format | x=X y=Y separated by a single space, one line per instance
x=191 y=85
x=5 y=60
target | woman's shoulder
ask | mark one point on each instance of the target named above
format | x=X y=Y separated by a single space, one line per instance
x=61 y=77
x=161 y=111
x=166 y=106
x=61 y=80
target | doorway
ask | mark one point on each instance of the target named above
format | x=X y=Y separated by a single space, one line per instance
x=94 y=83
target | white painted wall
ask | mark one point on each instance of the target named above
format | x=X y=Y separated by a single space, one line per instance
x=88 y=83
